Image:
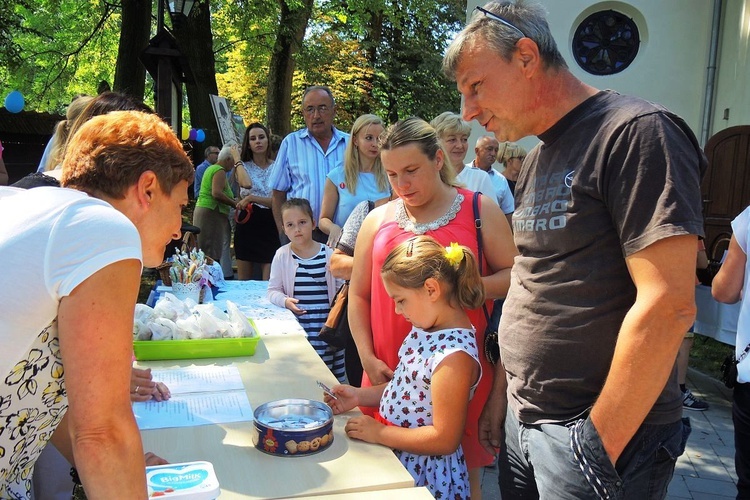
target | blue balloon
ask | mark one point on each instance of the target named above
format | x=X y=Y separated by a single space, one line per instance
x=200 y=135
x=14 y=102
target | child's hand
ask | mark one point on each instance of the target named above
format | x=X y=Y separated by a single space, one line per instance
x=346 y=398
x=291 y=304
x=364 y=428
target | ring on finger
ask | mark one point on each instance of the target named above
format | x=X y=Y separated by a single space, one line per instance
x=136 y=388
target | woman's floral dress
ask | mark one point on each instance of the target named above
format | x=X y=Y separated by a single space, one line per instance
x=32 y=404
x=407 y=402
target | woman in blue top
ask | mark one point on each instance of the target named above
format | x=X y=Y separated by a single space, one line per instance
x=361 y=178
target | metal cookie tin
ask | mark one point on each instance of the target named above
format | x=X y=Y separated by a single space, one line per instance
x=293 y=427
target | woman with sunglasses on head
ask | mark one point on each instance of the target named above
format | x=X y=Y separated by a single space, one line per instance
x=360 y=179
x=511 y=155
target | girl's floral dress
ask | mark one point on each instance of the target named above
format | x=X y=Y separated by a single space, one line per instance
x=407 y=402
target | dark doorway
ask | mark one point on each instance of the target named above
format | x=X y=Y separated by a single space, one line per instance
x=726 y=185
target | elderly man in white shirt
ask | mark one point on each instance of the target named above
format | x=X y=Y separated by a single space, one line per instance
x=486 y=152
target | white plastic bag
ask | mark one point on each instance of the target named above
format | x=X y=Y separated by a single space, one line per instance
x=170 y=307
x=212 y=321
x=163 y=329
x=240 y=326
x=144 y=313
x=189 y=327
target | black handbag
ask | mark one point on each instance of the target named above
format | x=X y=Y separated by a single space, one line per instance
x=491 y=341
x=729 y=371
x=336 y=330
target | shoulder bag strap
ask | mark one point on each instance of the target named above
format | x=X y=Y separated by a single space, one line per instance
x=478 y=227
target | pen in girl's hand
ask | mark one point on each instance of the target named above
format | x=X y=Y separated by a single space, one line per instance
x=326 y=389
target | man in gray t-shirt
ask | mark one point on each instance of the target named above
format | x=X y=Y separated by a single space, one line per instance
x=608 y=211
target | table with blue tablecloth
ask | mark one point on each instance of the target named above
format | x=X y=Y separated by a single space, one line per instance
x=284 y=366
x=250 y=297
x=715 y=319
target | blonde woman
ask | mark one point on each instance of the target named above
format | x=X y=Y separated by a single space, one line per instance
x=53 y=153
x=362 y=177
x=453 y=134
x=511 y=155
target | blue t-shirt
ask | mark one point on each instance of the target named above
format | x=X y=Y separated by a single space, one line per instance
x=367 y=190
x=301 y=166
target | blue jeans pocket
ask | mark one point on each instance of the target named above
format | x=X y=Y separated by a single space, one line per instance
x=671 y=444
x=593 y=461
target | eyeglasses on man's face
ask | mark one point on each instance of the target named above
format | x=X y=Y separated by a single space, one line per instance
x=311 y=110
x=501 y=20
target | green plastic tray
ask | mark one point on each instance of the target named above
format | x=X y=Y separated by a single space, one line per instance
x=194 y=348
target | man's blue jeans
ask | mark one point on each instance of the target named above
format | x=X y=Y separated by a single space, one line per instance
x=556 y=461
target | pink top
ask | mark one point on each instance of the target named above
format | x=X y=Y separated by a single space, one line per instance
x=390 y=329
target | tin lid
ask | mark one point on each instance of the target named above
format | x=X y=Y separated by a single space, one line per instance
x=188 y=480
x=294 y=414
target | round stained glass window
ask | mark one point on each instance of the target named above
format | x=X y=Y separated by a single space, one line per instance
x=606 y=42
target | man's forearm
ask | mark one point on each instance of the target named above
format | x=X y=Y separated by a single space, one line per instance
x=644 y=357
x=492 y=420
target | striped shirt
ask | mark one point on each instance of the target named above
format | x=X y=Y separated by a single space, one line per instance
x=301 y=166
x=311 y=290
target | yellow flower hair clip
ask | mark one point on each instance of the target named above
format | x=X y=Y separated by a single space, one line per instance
x=454 y=254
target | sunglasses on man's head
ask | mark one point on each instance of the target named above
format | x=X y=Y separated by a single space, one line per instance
x=501 y=20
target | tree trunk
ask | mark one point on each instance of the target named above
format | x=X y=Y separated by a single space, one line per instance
x=289 y=36
x=130 y=73
x=373 y=39
x=195 y=40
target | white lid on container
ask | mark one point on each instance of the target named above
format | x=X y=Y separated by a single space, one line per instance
x=188 y=480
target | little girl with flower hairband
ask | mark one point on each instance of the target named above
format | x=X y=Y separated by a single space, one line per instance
x=422 y=410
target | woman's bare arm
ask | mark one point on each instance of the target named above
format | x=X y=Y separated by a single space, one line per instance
x=95 y=330
x=328 y=210
x=359 y=300
x=341 y=265
x=728 y=282
x=498 y=248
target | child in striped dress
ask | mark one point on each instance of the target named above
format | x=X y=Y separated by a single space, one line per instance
x=300 y=280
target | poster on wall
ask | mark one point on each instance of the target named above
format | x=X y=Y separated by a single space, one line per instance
x=225 y=121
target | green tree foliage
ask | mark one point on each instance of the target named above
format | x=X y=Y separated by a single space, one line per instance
x=379 y=56
x=403 y=41
x=242 y=49
x=57 y=49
